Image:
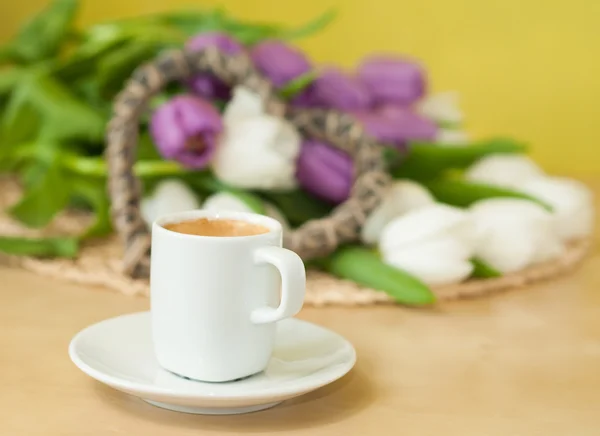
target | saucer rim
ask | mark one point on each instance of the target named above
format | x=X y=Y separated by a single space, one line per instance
x=143 y=389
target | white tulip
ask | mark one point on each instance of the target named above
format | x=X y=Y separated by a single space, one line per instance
x=403 y=196
x=256 y=150
x=225 y=201
x=442 y=108
x=572 y=203
x=452 y=137
x=244 y=104
x=434 y=243
x=512 y=234
x=506 y=170
x=170 y=196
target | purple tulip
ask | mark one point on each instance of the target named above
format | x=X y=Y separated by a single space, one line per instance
x=334 y=89
x=337 y=90
x=393 y=80
x=222 y=41
x=397 y=125
x=279 y=62
x=307 y=98
x=186 y=129
x=207 y=85
x=324 y=171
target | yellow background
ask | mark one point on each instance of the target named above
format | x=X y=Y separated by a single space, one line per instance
x=527 y=68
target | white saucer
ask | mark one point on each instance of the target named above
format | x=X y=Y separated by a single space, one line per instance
x=118 y=352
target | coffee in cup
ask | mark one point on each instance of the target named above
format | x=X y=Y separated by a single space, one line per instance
x=217 y=227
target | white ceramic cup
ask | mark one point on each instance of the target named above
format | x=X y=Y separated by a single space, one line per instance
x=215 y=300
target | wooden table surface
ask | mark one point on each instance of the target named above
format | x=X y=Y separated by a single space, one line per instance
x=521 y=363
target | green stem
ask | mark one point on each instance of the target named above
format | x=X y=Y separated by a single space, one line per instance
x=96 y=167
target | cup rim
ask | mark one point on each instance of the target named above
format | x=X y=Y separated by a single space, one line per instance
x=272 y=224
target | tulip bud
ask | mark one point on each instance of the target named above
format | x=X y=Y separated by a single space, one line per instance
x=434 y=243
x=279 y=62
x=169 y=196
x=572 y=203
x=186 y=129
x=506 y=170
x=402 y=197
x=451 y=137
x=442 y=108
x=225 y=201
x=324 y=171
x=338 y=90
x=513 y=234
x=393 y=80
x=207 y=85
x=397 y=125
x=257 y=150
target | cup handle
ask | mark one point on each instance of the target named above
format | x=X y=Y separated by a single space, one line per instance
x=293 y=277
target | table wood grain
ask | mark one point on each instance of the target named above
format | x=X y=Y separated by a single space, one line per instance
x=522 y=363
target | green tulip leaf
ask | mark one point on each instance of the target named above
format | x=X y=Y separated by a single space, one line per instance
x=44 y=199
x=315 y=25
x=483 y=270
x=9 y=77
x=20 y=123
x=297 y=85
x=361 y=265
x=117 y=66
x=61 y=115
x=42 y=36
x=93 y=194
x=39 y=247
x=426 y=161
x=463 y=193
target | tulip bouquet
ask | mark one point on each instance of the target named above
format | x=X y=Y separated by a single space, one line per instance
x=457 y=209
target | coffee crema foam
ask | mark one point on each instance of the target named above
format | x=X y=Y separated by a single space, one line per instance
x=217 y=227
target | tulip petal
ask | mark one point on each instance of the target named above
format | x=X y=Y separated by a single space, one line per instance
x=278 y=61
x=513 y=234
x=258 y=153
x=223 y=201
x=432 y=271
x=402 y=197
x=572 y=202
x=506 y=170
x=324 y=171
x=169 y=196
x=448 y=137
x=423 y=223
x=222 y=41
x=439 y=247
x=396 y=125
x=507 y=250
x=393 y=80
x=207 y=85
x=244 y=103
x=338 y=90
x=442 y=108
x=179 y=122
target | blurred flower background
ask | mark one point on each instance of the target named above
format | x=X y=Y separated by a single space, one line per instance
x=466 y=201
x=526 y=69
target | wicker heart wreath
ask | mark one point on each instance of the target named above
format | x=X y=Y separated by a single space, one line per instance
x=314 y=238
